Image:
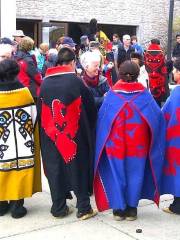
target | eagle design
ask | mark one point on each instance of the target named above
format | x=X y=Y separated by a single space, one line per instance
x=26 y=127
x=5 y=120
x=61 y=125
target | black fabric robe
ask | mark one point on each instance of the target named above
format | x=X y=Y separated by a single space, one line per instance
x=67 y=118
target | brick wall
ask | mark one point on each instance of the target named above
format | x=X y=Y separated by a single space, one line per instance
x=150 y=17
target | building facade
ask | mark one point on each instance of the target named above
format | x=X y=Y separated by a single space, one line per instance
x=7 y=20
x=48 y=19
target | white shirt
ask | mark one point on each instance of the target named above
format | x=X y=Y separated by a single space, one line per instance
x=143 y=77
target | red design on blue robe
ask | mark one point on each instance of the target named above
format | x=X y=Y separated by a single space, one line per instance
x=129 y=149
x=127 y=138
x=61 y=125
x=171 y=169
x=172 y=152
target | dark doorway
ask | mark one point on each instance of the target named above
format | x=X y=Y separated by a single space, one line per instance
x=31 y=28
x=119 y=29
x=76 y=30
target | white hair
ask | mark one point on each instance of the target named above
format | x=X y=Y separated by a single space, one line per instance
x=126 y=36
x=6 y=49
x=88 y=58
x=53 y=51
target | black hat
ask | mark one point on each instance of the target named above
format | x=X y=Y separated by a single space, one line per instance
x=6 y=40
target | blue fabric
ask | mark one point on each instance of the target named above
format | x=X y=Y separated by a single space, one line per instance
x=142 y=177
x=138 y=48
x=171 y=173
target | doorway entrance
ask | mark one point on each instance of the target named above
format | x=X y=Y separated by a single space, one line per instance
x=31 y=28
x=76 y=30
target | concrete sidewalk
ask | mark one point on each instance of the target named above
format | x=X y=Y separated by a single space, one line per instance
x=39 y=224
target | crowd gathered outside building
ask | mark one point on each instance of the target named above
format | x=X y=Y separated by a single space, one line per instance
x=99 y=109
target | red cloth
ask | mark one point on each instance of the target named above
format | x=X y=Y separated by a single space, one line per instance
x=128 y=87
x=108 y=74
x=157 y=71
x=62 y=127
x=91 y=82
x=28 y=75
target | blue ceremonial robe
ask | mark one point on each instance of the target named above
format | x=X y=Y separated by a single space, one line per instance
x=128 y=166
x=171 y=169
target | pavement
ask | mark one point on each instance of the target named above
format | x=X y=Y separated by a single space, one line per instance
x=40 y=224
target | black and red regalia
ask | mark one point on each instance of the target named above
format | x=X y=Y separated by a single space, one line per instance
x=157 y=72
x=67 y=118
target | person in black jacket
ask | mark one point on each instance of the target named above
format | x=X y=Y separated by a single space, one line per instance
x=125 y=50
x=176 y=50
x=67 y=119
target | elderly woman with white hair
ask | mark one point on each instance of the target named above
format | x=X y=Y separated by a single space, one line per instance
x=51 y=60
x=5 y=51
x=91 y=76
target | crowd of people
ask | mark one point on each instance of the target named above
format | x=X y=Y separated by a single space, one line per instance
x=94 y=112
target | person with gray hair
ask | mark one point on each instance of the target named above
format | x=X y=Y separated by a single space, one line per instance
x=5 y=51
x=51 y=60
x=125 y=50
x=84 y=46
x=92 y=77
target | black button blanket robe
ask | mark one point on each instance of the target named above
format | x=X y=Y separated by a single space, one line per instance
x=68 y=116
